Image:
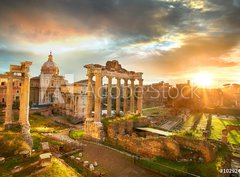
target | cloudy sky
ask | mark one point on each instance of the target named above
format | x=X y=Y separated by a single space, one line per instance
x=167 y=40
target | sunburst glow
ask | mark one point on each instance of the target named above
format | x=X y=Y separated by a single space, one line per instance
x=203 y=79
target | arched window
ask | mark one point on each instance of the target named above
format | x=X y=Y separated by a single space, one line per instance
x=3 y=100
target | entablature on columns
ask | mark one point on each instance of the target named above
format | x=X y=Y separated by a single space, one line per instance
x=112 y=69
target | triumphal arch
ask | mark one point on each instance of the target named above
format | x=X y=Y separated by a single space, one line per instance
x=21 y=73
x=112 y=69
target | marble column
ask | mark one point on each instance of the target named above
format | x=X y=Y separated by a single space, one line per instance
x=132 y=96
x=118 y=96
x=109 y=97
x=125 y=96
x=98 y=95
x=89 y=96
x=24 y=100
x=140 y=96
x=9 y=100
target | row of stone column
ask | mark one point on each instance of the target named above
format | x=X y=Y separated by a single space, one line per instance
x=125 y=96
x=24 y=100
x=98 y=95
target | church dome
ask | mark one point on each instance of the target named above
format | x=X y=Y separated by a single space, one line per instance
x=50 y=67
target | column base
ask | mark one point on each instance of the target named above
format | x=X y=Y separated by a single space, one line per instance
x=94 y=130
x=12 y=125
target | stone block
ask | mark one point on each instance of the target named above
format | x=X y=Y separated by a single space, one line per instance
x=17 y=169
x=2 y=160
x=85 y=163
x=45 y=159
x=25 y=154
x=45 y=147
x=91 y=167
x=96 y=174
x=95 y=164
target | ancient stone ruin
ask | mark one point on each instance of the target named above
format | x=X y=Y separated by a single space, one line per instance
x=93 y=126
x=22 y=73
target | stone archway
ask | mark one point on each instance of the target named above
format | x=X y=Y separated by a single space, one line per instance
x=227 y=129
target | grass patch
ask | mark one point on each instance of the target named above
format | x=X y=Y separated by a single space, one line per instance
x=43 y=124
x=76 y=134
x=156 y=111
x=218 y=125
x=58 y=169
x=37 y=139
x=134 y=118
x=11 y=143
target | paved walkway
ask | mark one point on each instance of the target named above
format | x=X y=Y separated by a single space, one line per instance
x=115 y=163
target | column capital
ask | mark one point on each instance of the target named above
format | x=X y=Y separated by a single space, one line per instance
x=125 y=79
x=97 y=71
x=90 y=75
x=118 y=78
x=132 y=79
x=109 y=77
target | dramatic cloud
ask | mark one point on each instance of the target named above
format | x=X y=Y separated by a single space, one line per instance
x=160 y=37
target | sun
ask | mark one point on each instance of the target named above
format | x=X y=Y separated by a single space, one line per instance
x=203 y=79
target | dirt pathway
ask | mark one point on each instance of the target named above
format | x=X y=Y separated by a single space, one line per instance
x=116 y=164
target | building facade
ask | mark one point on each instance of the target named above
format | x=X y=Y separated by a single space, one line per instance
x=3 y=90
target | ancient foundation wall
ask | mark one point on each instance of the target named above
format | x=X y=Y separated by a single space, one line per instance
x=207 y=150
x=122 y=133
x=150 y=147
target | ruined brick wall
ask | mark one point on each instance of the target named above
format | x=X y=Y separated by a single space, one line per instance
x=122 y=133
x=125 y=127
x=150 y=147
x=207 y=150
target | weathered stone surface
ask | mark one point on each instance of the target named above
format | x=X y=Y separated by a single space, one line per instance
x=207 y=150
x=17 y=169
x=97 y=174
x=129 y=127
x=91 y=167
x=121 y=128
x=45 y=159
x=85 y=163
x=150 y=147
x=2 y=160
x=25 y=154
x=95 y=164
x=143 y=122
x=45 y=147
x=78 y=158
x=95 y=129
x=112 y=130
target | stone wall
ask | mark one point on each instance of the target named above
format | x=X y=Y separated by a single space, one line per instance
x=150 y=147
x=95 y=129
x=122 y=133
x=125 y=127
x=207 y=150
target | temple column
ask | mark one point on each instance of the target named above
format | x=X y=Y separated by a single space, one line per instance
x=109 y=97
x=89 y=96
x=9 y=101
x=118 y=96
x=125 y=96
x=132 y=96
x=24 y=100
x=98 y=95
x=140 y=96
